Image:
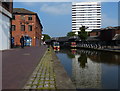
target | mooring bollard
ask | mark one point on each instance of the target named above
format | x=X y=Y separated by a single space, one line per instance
x=48 y=47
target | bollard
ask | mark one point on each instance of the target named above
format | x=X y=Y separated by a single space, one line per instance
x=48 y=48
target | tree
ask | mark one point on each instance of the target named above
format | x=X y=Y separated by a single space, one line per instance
x=83 y=34
x=46 y=36
x=69 y=34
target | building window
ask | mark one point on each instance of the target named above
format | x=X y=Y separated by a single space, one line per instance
x=22 y=27
x=30 y=17
x=22 y=17
x=13 y=17
x=29 y=27
x=96 y=33
x=13 y=27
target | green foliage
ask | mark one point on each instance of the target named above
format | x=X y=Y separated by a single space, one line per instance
x=46 y=36
x=69 y=34
x=83 y=34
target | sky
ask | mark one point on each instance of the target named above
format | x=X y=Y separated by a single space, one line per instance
x=66 y=0
x=56 y=17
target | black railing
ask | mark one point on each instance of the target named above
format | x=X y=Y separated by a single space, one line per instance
x=99 y=44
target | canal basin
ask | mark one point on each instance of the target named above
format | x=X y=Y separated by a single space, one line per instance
x=91 y=69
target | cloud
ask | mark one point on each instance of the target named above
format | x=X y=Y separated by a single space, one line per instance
x=57 y=9
x=107 y=21
x=66 y=0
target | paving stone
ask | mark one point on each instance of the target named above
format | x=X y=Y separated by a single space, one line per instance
x=46 y=85
x=43 y=75
x=47 y=71
x=39 y=65
x=51 y=71
x=37 y=78
x=27 y=87
x=41 y=78
x=37 y=68
x=38 y=73
x=51 y=78
x=51 y=74
x=35 y=71
x=30 y=82
x=34 y=76
x=47 y=74
x=40 y=86
x=46 y=82
x=52 y=86
x=35 y=82
x=32 y=79
x=41 y=82
x=52 y=82
x=46 y=78
x=44 y=69
x=34 y=87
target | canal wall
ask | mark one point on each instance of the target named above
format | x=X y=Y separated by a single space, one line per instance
x=63 y=81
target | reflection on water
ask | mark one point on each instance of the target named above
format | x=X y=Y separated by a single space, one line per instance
x=91 y=69
x=82 y=60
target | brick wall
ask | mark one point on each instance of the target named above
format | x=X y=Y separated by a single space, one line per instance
x=94 y=33
x=35 y=34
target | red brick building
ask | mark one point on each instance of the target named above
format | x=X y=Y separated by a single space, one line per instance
x=95 y=32
x=26 y=23
x=113 y=30
x=108 y=33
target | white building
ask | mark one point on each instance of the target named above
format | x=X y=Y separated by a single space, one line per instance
x=87 y=14
x=5 y=24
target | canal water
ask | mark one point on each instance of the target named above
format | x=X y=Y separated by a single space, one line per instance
x=91 y=69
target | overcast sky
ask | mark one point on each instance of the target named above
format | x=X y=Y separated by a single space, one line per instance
x=56 y=17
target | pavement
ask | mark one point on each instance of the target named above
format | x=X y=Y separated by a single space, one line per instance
x=33 y=68
x=18 y=65
x=49 y=74
x=43 y=76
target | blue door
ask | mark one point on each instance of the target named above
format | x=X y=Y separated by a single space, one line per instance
x=28 y=41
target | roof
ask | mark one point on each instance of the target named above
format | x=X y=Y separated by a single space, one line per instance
x=60 y=39
x=22 y=11
x=93 y=38
x=74 y=37
x=96 y=30
x=48 y=40
x=63 y=39
x=111 y=28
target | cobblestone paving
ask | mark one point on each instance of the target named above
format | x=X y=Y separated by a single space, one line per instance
x=43 y=76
